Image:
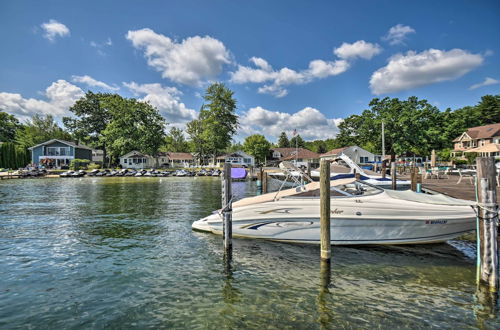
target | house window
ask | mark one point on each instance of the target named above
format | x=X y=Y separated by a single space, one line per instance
x=247 y=160
x=363 y=159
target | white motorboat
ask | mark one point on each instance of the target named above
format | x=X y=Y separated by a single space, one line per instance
x=360 y=214
x=339 y=172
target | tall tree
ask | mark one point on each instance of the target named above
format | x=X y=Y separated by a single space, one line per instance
x=218 y=118
x=297 y=141
x=197 y=142
x=134 y=126
x=257 y=146
x=283 y=141
x=91 y=119
x=8 y=127
x=39 y=129
x=175 y=141
x=489 y=109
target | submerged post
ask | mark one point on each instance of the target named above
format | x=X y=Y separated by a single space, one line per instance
x=227 y=210
x=393 y=175
x=324 y=207
x=488 y=221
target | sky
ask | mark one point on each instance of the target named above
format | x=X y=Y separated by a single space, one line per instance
x=300 y=65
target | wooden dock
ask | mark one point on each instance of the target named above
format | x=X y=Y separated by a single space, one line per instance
x=448 y=186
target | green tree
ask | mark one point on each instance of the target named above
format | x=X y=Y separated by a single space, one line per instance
x=39 y=129
x=489 y=109
x=218 y=119
x=134 y=126
x=175 y=141
x=235 y=146
x=297 y=141
x=8 y=127
x=257 y=146
x=283 y=141
x=197 y=142
x=91 y=119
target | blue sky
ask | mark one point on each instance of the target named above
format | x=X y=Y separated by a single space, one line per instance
x=292 y=64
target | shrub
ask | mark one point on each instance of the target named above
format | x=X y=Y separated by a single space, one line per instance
x=79 y=164
x=93 y=166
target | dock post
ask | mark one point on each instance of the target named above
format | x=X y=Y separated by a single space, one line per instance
x=413 y=176
x=384 y=166
x=227 y=211
x=324 y=188
x=393 y=175
x=488 y=221
x=264 y=182
x=309 y=169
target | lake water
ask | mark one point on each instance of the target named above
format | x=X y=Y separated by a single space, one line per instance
x=120 y=253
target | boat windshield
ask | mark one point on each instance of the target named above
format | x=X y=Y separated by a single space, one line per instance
x=352 y=189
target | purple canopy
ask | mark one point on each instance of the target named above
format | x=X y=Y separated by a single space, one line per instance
x=238 y=173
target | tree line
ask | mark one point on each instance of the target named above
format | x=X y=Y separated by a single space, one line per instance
x=118 y=125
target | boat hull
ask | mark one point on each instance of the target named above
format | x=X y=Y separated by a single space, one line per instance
x=357 y=221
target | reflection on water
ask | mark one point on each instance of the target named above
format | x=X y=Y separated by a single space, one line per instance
x=120 y=253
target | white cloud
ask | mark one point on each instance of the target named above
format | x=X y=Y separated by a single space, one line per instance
x=360 y=48
x=276 y=80
x=54 y=29
x=165 y=99
x=279 y=78
x=419 y=69
x=191 y=61
x=89 y=81
x=487 y=81
x=61 y=95
x=310 y=123
x=101 y=46
x=397 y=34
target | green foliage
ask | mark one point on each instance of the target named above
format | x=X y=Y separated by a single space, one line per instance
x=234 y=147
x=257 y=146
x=8 y=127
x=444 y=155
x=91 y=119
x=175 y=141
x=134 y=126
x=283 y=141
x=489 y=109
x=470 y=157
x=12 y=156
x=40 y=129
x=93 y=166
x=297 y=141
x=212 y=132
x=79 y=164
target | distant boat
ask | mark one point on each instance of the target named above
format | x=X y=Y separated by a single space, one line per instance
x=238 y=173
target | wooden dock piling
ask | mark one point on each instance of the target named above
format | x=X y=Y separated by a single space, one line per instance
x=227 y=210
x=384 y=169
x=488 y=222
x=325 y=240
x=414 y=178
x=264 y=182
x=393 y=175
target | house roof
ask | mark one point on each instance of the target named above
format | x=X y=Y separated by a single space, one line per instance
x=235 y=154
x=490 y=147
x=333 y=152
x=301 y=153
x=179 y=155
x=81 y=146
x=287 y=152
x=481 y=132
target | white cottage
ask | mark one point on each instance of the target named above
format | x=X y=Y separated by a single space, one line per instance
x=355 y=153
x=237 y=158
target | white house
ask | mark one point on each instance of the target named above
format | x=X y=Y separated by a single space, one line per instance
x=137 y=160
x=177 y=159
x=237 y=158
x=355 y=153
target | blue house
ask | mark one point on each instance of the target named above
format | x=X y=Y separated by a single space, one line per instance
x=57 y=153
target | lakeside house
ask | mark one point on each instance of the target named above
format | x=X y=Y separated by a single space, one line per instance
x=484 y=139
x=355 y=153
x=137 y=160
x=298 y=156
x=57 y=153
x=236 y=158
